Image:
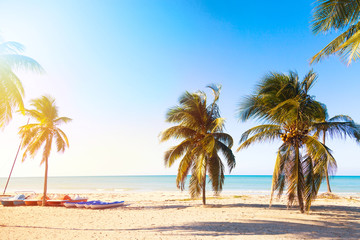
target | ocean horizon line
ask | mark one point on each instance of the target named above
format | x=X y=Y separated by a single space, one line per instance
x=161 y=175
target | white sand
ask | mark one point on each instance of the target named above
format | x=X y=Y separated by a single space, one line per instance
x=158 y=215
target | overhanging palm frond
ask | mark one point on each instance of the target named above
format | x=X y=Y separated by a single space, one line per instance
x=216 y=172
x=194 y=185
x=279 y=175
x=11 y=88
x=184 y=117
x=252 y=107
x=176 y=132
x=11 y=47
x=22 y=62
x=338 y=15
x=224 y=138
x=228 y=154
x=313 y=181
x=334 y=14
x=60 y=142
x=319 y=153
x=260 y=134
x=62 y=120
x=217 y=125
x=185 y=165
x=176 y=152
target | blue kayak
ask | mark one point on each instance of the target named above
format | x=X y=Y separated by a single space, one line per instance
x=103 y=205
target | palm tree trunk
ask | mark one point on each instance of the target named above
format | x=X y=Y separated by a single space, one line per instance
x=45 y=183
x=326 y=169
x=12 y=168
x=328 y=182
x=204 y=187
x=203 y=195
x=297 y=167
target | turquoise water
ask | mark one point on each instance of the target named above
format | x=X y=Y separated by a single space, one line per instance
x=253 y=184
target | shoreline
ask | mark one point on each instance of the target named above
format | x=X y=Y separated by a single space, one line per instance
x=164 y=215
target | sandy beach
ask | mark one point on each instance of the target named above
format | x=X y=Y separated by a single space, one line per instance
x=172 y=215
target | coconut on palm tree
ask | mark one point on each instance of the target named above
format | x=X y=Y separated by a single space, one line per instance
x=11 y=89
x=283 y=103
x=338 y=15
x=42 y=133
x=341 y=126
x=201 y=130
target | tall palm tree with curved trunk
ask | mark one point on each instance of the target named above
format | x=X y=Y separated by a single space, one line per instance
x=43 y=132
x=341 y=126
x=201 y=129
x=338 y=15
x=11 y=89
x=283 y=103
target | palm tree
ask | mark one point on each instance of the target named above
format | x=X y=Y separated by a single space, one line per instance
x=283 y=103
x=201 y=128
x=337 y=126
x=338 y=15
x=42 y=133
x=11 y=89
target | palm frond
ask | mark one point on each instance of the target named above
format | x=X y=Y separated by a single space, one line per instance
x=16 y=61
x=320 y=153
x=313 y=181
x=216 y=172
x=227 y=153
x=217 y=125
x=334 y=14
x=279 y=174
x=63 y=136
x=194 y=185
x=185 y=165
x=176 y=152
x=177 y=132
x=11 y=47
x=60 y=142
x=224 y=138
x=62 y=120
x=335 y=46
x=260 y=134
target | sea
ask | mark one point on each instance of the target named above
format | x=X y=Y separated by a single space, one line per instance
x=237 y=184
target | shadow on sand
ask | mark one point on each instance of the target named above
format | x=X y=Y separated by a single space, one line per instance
x=345 y=226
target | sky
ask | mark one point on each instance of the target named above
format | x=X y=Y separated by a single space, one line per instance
x=115 y=67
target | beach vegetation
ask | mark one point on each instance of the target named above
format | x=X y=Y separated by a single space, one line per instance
x=11 y=88
x=338 y=15
x=282 y=102
x=340 y=126
x=201 y=130
x=43 y=133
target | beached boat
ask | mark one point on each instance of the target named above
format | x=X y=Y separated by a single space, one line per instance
x=5 y=197
x=58 y=200
x=70 y=204
x=103 y=205
x=80 y=204
x=17 y=200
x=33 y=200
x=74 y=201
x=90 y=203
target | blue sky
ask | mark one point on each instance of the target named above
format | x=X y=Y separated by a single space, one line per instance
x=115 y=67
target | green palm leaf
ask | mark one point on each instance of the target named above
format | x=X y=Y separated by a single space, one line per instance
x=338 y=15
